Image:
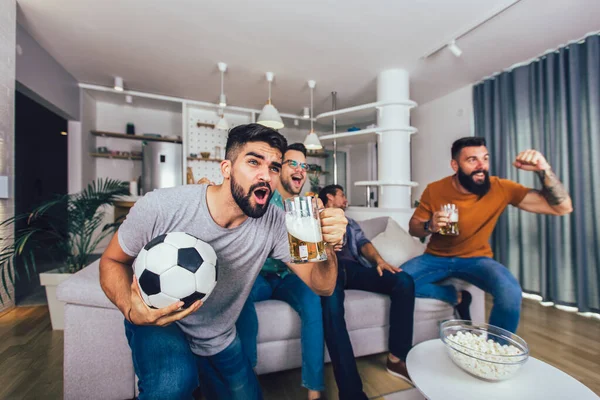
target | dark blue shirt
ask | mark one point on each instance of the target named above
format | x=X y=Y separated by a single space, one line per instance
x=355 y=240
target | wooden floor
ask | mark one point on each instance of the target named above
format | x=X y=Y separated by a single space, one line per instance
x=31 y=355
x=563 y=339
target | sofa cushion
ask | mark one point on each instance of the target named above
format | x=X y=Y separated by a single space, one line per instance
x=278 y=321
x=397 y=246
x=374 y=226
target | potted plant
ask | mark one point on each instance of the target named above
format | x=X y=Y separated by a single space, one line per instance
x=67 y=230
x=314 y=183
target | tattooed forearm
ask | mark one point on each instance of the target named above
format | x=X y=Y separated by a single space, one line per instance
x=553 y=190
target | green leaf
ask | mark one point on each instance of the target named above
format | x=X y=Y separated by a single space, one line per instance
x=47 y=232
x=5 y=286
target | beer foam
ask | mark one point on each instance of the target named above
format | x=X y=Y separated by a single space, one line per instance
x=306 y=229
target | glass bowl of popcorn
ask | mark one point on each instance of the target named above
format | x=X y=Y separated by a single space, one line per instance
x=484 y=351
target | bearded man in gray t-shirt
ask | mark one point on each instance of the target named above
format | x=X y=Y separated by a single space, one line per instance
x=202 y=348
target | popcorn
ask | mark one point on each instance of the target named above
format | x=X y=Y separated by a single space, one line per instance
x=486 y=359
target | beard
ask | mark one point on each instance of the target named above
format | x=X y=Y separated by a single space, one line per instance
x=242 y=199
x=288 y=187
x=479 y=189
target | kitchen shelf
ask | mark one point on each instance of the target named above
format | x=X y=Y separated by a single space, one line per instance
x=117 y=157
x=363 y=136
x=363 y=111
x=386 y=183
x=134 y=137
x=204 y=159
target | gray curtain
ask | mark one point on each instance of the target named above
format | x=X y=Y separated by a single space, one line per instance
x=552 y=105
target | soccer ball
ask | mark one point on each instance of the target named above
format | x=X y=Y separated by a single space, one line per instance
x=176 y=266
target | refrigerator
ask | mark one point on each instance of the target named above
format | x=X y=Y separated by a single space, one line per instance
x=162 y=165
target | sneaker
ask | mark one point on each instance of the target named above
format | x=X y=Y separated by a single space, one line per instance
x=398 y=369
x=463 y=308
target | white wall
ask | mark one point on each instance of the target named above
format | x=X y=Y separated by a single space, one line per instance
x=201 y=139
x=75 y=154
x=361 y=160
x=8 y=21
x=440 y=122
x=82 y=166
x=114 y=118
x=88 y=142
x=43 y=79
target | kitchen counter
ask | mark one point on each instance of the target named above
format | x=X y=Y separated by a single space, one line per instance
x=123 y=205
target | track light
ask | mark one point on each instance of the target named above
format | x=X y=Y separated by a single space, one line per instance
x=269 y=116
x=222 y=98
x=118 y=83
x=312 y=141
x=306 y=113
x=222 y=125
x=128 y=99
x=454 y=48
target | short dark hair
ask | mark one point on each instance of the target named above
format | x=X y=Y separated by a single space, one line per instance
x=329 y=189
x=297 y=147
x=242 y=134
x=469 y=141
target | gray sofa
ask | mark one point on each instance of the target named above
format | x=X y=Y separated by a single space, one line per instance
x=97 y=359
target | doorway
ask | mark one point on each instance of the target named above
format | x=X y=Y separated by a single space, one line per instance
x=41 y=174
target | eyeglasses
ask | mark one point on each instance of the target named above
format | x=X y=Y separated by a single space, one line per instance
x=296 y=164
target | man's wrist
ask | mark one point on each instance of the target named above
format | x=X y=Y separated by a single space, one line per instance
x=128 y=315
x=427 y=227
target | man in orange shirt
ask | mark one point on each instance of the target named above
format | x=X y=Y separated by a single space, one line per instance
x=480 y=200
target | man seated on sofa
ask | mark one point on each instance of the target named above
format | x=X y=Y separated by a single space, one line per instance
x=361 y=267
x=175 y=350
x=480 y=199
x=277 y=281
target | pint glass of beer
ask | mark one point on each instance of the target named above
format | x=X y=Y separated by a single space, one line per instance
x=304 y=230
x=452 y=227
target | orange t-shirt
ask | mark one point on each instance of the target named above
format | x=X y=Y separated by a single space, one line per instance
x=476 y=216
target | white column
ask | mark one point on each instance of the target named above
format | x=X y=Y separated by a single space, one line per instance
x=8 y=30
x=75 y=155
x=393 y=150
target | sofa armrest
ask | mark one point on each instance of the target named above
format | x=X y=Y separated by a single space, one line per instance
x=83 y=288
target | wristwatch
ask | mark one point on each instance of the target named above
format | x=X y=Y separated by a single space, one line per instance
x=426 y=226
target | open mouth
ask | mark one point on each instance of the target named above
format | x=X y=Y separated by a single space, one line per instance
x=479 y=175
x=297 y=180
x=261 y=195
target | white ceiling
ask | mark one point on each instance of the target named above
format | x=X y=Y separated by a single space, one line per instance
x=172 y=47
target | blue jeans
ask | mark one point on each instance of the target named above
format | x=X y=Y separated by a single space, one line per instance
x=307 y=304
x=483 y=272
x=353 y=275
x=167 y=369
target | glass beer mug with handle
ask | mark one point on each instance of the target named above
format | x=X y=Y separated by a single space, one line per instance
x=452 y=228
x=304 y=230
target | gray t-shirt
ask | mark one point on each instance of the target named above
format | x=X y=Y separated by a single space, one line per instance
x=241 y=252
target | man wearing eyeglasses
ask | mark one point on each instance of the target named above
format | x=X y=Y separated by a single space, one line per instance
x=277 y=282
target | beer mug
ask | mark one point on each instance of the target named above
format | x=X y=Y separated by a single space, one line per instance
x=304 y=230
x=452 y=227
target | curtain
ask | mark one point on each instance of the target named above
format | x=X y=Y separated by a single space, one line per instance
x=552 y=105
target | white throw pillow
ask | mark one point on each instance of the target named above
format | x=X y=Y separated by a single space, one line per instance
x=396 y=246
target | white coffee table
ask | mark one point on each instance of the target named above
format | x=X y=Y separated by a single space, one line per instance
x=438 y=378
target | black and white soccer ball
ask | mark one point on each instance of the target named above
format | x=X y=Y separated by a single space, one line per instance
x=176 y=266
